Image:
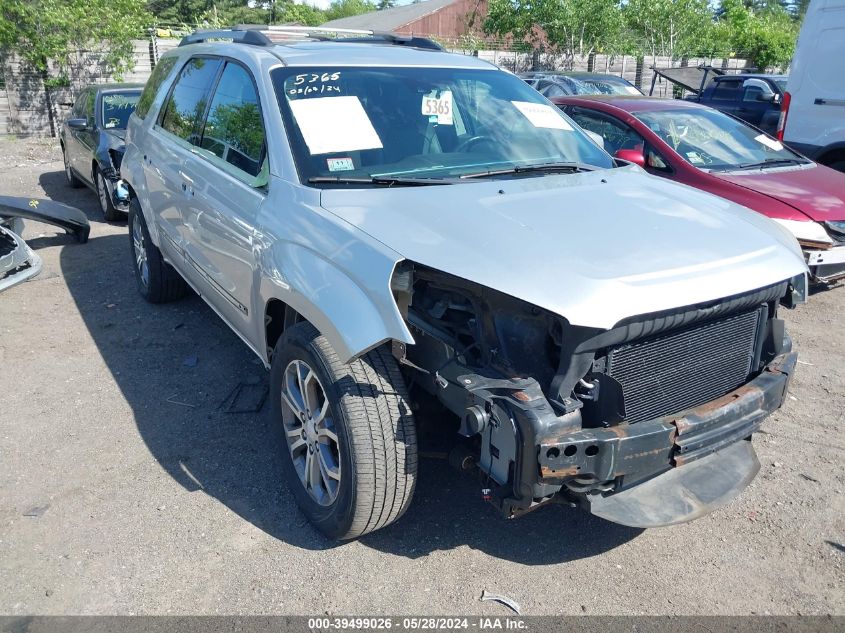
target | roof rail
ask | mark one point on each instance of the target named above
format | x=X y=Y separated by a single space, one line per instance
x=242 y=36
x=257 y=34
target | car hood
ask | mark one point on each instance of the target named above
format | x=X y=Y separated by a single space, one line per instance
x=593 y=247
x=116 y=138
x=816 y=191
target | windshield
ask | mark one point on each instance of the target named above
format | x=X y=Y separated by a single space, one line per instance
x=422 y=123
x=709 y=139
x=117 y=106
x=603 y=87
x=781 y=84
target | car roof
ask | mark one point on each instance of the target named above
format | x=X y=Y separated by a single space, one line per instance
x=575 y=74
x=115 y=87
x=628 y=103
x=339 y=53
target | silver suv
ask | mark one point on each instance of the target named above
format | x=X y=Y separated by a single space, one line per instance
x=394 y=229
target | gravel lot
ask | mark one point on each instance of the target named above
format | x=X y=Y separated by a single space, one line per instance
x=127 y=489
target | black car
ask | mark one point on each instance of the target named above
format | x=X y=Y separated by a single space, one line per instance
x=755 y=99
x=562 y=84
x=92 y=140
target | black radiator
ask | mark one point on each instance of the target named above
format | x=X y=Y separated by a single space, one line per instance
x=672 y=372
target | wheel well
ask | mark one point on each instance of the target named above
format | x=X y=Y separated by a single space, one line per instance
x=278 y=316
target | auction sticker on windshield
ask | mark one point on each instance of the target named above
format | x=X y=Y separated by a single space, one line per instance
x=542 y=115
x=334 y=124
x=438 y=104
x=769 y=142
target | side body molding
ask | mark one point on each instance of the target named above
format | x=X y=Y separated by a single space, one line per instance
x=329 y=271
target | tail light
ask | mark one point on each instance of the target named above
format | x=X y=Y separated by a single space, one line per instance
x=784 y=112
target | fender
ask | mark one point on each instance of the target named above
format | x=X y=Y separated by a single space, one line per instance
x=353 y=316
x=132 y=172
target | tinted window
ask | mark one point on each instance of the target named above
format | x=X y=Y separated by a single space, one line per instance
x=616 y=134
x=117 y=107
x=88 y=107
x=753 y=93
x=234 y=131
x=160 y=73
x=186 y=104
x=79 y=106
x=727 y=90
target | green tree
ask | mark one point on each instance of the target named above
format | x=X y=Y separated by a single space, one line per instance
x=221 y=13
x=47 y=33
x=386 y=4
x=346 y=8
x=671 y=28
x=172 y=12
x=767 y=37
x=572 y=28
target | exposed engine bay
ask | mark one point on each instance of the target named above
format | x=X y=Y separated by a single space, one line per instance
x=550 y=412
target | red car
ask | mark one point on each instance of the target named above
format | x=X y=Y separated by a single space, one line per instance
x=706 y=149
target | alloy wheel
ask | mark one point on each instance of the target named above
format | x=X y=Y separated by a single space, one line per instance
x=310 y=432
x=102 y=193
x=140 y=249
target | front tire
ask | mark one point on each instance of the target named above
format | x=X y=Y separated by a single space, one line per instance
x=110 y=214
x=157 y=281
x=348 y=433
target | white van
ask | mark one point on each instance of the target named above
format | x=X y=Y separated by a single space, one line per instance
x=812 y=118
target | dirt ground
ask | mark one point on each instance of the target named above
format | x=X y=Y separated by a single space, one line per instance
x=126 y=488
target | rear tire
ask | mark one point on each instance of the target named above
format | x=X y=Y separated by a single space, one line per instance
x=110 y=214
x=157 y=281
x=362 y=437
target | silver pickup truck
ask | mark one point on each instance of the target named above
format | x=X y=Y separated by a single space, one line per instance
x=394 y=229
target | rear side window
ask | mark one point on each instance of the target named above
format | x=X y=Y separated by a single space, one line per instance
x=160 y=73
x=79 y=106
x=234 y=131
x=187 y=102
x=88 y=111
x=727 y=90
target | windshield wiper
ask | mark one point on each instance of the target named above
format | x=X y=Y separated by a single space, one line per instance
x=550 y=168
x=382 y=181
x=770 y=162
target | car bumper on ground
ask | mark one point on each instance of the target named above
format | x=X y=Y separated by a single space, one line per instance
x=826 y=265
x=17 y=261
x=671 y=469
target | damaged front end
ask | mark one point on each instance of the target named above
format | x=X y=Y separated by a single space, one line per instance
x=17 y=261
x=645 y=424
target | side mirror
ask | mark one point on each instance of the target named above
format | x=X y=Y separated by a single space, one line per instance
x=631 y=155
x=80 y=125
x=768 y=97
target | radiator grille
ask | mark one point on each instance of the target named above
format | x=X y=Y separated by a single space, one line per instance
x=667 y=374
